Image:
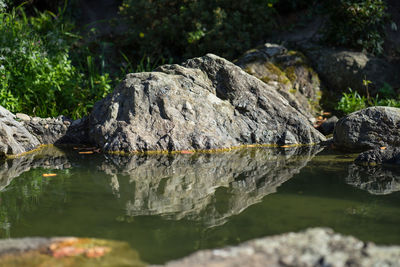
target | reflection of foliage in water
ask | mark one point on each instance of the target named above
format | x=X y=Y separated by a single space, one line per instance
x=26 y=194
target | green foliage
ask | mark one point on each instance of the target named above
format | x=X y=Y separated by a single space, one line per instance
x=37 y=75
x=187 y=28
x=353 y=101
x=357 y=23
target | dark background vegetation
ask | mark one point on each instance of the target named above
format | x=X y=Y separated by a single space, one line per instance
x=59 y=57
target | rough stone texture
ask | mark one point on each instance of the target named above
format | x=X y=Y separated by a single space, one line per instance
x=368 y=128
x=49 y=158
x=289 y=72
x=314 y=247
x=205 y=103
x=60 y=130
x=377 y=180
x=328 y=126
x=379 y=156
x=184 y=186
x=14 y=138
x=343 y=69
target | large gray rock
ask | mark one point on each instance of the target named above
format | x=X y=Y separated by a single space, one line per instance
x=14 y=138
x=185 y=186
x=314 y=247
x=205 y=103
x=368 y=128
x=341 y=69
x=288 y=71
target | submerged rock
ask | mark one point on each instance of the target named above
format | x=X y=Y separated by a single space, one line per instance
x=368 y=128
x=313 y=247
x=14 y=138
x=67 y=251
x=377 y=180
x=188 y=186
x=379 y=156
x=205 y=103
x=287 y=71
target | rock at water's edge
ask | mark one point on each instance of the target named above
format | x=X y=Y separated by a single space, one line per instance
x=368 y=128
x=314 y=247
x=14 y=137
x=205 y=103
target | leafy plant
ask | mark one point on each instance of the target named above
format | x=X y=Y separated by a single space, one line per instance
x=351 y=102
x=357 y=23
x=37 y=75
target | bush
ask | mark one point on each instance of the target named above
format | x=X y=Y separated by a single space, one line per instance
x=182 y=29
x=37 y=76
x=357 y=23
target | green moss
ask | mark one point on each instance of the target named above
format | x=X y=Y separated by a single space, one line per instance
x=275 y=70
x=291 y=73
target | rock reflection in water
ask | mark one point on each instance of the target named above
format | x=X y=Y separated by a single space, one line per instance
x=47 y=157
x=377 y=180
x=185 y=186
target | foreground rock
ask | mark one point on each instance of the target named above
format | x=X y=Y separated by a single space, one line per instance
x=66 y=251
x=377 y=180
x=14 y=137
x=368 y=128
x=289 y=72
x=314 y=247
x=205 y=103
x=187 y=186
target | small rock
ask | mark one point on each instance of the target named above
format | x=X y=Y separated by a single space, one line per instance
x=368 y=128
x=23 y=117
x=328 y=126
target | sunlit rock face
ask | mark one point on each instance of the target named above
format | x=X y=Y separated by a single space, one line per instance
x=204 y=103
x=49 y=158
x=377 y=180
x=204 y=187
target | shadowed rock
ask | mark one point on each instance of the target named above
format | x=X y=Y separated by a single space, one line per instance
x=377 y=180
x=185 y=186
x=205 y=103
x=313 y=247
x=368 y=128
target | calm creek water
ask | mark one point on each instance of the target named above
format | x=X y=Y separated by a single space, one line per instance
x=167 y=207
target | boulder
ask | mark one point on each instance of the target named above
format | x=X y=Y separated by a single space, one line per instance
x=313 y=247
x=379 y=156
x=14 y=137
x=368 y=128
x=341 y=69
x=288 y=71
x=205 y=103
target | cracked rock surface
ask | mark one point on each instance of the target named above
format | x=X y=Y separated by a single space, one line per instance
x=205 y=103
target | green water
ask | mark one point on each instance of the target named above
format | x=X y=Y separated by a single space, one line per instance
x=167 y=207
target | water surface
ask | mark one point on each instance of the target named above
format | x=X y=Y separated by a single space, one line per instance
x=167 y=207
